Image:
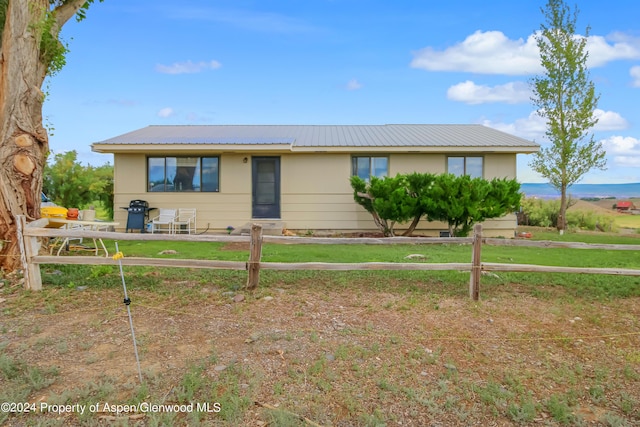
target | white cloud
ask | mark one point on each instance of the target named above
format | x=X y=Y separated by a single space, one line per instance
x=491 y=52
x=353 y=84
x=471 y=93
x=626 y=145
x=188 y=67
x=601 y=51
x=166 y=112
x=635 y=74
x=609 y=120
x=624 y=149
x=535 y=127
x=532 y=127
x=627 y=161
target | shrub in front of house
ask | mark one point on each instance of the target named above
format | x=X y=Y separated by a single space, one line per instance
x=460 y=201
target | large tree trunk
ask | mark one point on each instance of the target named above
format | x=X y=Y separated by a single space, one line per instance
x=24 y=143
x=23 y=140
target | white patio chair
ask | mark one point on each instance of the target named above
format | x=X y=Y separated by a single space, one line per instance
x=187 y=218
x=165 y=218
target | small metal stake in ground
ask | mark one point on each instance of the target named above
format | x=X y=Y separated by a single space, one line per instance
x=118 y=256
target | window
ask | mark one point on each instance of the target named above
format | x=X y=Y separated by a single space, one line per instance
x=182 y=174
x=472 y=166
x=366 y=167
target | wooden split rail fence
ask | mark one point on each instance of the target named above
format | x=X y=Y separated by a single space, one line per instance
x=30 y=236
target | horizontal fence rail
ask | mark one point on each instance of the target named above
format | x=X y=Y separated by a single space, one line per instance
x=530 y=268
x=30 y=235
x=291 y=240
x=550 y=244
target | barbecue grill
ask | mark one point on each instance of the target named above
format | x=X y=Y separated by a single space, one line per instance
x=138 y=215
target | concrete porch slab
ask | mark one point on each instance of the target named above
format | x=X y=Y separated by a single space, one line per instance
x=269 y=228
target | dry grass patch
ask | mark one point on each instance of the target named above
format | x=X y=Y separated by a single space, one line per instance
x=337 y=355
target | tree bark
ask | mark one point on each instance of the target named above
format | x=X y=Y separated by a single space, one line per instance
x=561 y=223
x=23 y=140
x=24 y=143
x=409 y=231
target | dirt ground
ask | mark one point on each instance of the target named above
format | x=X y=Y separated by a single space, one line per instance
x=332 y=354
x=339 y=357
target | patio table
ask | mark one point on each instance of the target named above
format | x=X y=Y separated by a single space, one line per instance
x=86 y=225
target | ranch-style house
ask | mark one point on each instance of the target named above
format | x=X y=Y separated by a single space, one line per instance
x=297 y=175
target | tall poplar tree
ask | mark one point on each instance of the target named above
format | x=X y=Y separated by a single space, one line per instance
x=30 y=50
x=565 y=96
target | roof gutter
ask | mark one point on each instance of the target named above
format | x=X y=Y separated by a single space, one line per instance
x=288 y=148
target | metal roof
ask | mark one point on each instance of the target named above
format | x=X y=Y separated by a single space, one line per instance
x=362 y=136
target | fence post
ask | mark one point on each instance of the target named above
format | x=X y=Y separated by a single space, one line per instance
x=29 y=247
x=474 y=284
x=255 y=253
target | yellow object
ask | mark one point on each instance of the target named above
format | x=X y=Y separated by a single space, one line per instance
x=118 y=255
x=53 y=212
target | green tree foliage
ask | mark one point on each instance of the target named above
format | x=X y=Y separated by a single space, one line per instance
x=65 y=181
x=504 y=197
x=419 y=185
x=453 y=199
x=565 y=96
x=391 y=199
x=460 y=201
x=70 y=184
x=101 y=187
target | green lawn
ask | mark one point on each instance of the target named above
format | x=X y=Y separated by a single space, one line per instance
x=628 y=221
x=449 y=281
x=440 y=253
x=586 y=237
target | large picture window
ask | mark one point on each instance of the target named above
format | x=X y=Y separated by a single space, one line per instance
x=465 y=165
x=182 y=174
x=366 y=166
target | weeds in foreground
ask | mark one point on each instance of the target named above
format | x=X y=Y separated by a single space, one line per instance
x=367 y=367
x=227 y=389
x=560 y=409
x=522 y=412
x=19 y=381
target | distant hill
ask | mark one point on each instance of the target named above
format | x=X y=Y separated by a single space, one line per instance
x=580 y=191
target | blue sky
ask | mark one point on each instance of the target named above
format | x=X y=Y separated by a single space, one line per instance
x=134 y=63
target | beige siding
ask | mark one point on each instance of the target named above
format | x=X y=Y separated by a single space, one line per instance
x=231 y=206
x=235 y=175
x=408 y=163
x=315 y=191
x=130 y=173
x=499 y=166
x=318 y=173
